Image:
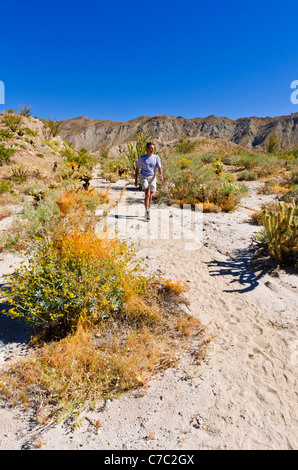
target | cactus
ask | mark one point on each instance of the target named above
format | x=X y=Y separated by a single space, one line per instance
x=281 y=230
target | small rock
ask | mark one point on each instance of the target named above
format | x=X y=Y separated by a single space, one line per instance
x=197 y=421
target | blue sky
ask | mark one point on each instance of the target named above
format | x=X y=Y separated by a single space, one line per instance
x=120 y=60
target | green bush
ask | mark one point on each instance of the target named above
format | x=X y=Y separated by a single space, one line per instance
x=32 y=189
x=246 y=161
x=29 y=131
x=5 y=154
x=273 y=143
x=208 y=157
x=184 y=145
x=290 y=195
x=82 y=158
x=13 y=121
x=76 y=277
x=189 y=181
x=294 y=177
x=5 y=186
x=5 y=134
x=247 y=175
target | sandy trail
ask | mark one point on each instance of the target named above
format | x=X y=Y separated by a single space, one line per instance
x=244 y=395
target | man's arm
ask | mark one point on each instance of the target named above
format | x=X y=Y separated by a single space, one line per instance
x=158 y=163
x=160 y=174
x=136 y=176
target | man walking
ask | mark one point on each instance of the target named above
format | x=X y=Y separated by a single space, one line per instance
x=148 y=165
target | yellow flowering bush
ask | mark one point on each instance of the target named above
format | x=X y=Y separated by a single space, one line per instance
x=112 y=327
x=77 y=277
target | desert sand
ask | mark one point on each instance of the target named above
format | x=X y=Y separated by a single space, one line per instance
x=243 y=396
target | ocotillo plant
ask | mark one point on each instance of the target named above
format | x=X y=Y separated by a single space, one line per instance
x=135 y=150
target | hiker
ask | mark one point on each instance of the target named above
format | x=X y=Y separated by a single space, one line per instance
x=148 y=164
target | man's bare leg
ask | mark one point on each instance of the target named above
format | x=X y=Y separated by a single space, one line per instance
x=147 y=202
x=147 y=198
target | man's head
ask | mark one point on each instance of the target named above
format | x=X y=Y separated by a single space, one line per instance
x=150 y=148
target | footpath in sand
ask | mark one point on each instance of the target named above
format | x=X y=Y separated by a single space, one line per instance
x=244 y=395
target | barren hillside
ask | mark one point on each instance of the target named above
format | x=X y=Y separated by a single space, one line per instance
x=252 y=132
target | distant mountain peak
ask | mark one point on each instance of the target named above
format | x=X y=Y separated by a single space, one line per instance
x=251 y=132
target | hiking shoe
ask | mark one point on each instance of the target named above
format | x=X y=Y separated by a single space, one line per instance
x=148 y=215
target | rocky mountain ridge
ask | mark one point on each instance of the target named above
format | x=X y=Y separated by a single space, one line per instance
x=252 y=132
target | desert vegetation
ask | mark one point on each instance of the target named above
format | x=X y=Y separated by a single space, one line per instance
x=218 y=180
x=215 y=179
x=279 y=235
x=100 y=327
x=105 y=328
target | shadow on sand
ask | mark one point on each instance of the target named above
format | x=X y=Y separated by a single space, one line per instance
x=12 y=330
x=243 y=268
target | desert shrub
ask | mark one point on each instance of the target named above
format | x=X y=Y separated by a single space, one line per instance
x=273 y=186
x=104 y=153
x=257 y=217
x=229 y=177
x=53 y=211
x=5 y=134
x=267 y=165
x=52 y=126
x=13 y=121
x=40 y=219
x=79 y=201
x=70 y=279
x=185 y=145
x=119 y=354
x=228 y=161
x=246 y=175
x=5 y=154
x=195 y=183
x=85 y=159
x=124 y=327
x=110 y=176
x=122 y=167
x=290 y=195
x=229 y=195
x=294 y=177
x=184 y=163
x=5 y=186
x=29 y=131
x=247 y=161
x=81 y=158
x=32 y=189
x=273 y=143
x=19 y=173
x=281 y=228
x=208 y=157
x=211 y=207
x=25 y=110
x=262 y=165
